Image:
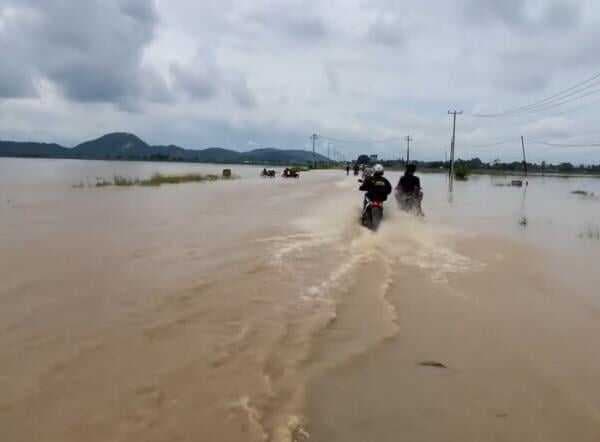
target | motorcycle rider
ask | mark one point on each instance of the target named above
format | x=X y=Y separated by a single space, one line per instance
x=409 y=190
x=377 y=187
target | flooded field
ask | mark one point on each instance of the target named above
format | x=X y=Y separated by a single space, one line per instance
x=259 y=309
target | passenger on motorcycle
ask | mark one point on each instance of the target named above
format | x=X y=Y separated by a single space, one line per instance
x=408 y=190
x=377 y=187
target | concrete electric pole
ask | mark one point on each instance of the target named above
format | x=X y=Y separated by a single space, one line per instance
x=314 y=140
x=453 y=113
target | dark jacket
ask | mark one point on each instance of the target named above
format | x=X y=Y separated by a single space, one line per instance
x=409 y=184
x=377 y=187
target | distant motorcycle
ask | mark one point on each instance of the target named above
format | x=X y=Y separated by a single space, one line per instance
x=267 y=173
x=372 y=214
x=290 y=173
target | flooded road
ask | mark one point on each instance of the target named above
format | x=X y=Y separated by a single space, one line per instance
x=259 y=309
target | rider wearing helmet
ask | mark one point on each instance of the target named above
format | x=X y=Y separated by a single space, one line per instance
x=377 y=187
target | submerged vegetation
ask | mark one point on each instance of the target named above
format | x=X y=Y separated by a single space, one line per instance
x=156 y=180
x=585 y=194
x=591 y=231
x=461 y=172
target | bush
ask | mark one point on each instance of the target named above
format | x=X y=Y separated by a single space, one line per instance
x=461 y=172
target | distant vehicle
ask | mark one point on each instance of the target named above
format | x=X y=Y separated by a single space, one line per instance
x=268 y=173
x=363 y=159
x=290 y=173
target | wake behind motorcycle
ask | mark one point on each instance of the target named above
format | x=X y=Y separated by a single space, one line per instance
x=410 y=203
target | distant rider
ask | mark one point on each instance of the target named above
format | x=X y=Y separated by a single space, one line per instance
x=347 y=169
x=377 y=187
x=409 y=190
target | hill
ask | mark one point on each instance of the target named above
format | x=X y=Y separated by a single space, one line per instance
x=118 y=144
x=127 y=146
x=29 y=149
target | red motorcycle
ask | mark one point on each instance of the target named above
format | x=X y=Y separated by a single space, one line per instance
x=372 y=214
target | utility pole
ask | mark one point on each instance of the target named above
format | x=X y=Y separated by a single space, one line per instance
x=524 y=158
x=453 y=113
x=408 y=140
x=314 y=140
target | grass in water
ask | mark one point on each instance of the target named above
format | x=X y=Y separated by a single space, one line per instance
x=101 y=182
x=156 y=180
x=591 y=231
x=124 y=181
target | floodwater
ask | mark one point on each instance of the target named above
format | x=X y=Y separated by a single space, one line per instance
x=259 y=309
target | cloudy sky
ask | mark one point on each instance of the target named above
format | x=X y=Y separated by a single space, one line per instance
x=364 y=74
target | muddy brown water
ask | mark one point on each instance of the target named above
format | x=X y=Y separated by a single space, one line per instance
x=259 y=309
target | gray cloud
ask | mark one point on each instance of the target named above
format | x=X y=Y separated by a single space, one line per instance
x=522 y=82
x=15 y=82
x=293 y=20
x=203 y=79
x=91 y=50
x=511 y=12
x=333 y=79
x=387 y=32
x=199 y=84
x=304 y=27
x=562 y=15
x=553 y=16
x=240 y=92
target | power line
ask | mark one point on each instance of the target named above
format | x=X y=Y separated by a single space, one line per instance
x=365 y=141
x=483 y=146
x=545 y=143
x=565 y=101
x=556 y=98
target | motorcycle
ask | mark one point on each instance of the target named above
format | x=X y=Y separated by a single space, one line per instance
x=268 y=173
x=290 y=173
x=372 y=214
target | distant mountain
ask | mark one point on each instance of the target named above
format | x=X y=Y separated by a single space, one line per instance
x=39 y=150
x=118 y=144
x=126 y=146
